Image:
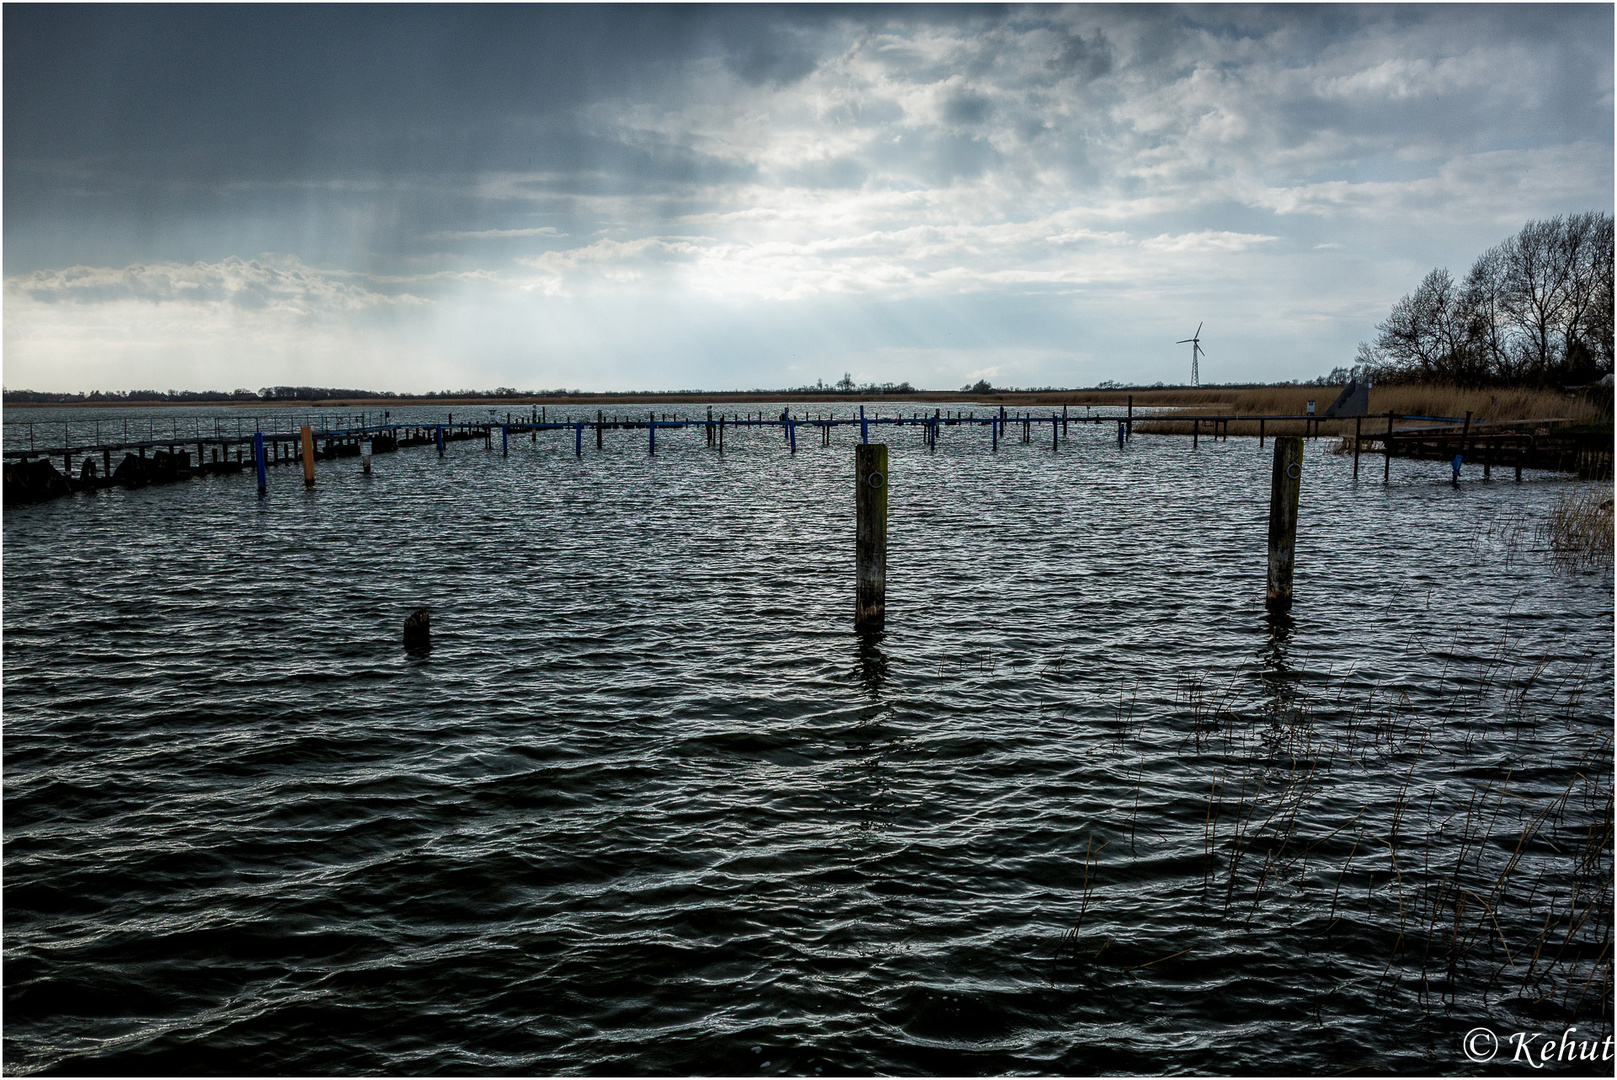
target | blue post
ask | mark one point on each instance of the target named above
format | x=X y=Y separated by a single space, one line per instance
x=505 y=440
x=258 y=459
x=1120 y=434
x=440 y=440
x=791 y=434
x=651 y=431
x=578 y=438
x=1055 y=432
x=864 y=426
x=1457 y=462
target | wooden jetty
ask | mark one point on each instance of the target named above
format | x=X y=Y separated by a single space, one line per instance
x=31 y=474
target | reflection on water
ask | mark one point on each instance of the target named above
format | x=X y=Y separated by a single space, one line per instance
x=1080 y=805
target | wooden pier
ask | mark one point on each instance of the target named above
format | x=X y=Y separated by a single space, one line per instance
x=31 y=474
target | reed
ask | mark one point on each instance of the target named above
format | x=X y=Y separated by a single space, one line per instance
x=1491 y=406
x=1578 y=529
x=1466 y=880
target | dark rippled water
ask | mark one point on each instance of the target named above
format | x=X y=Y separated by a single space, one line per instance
x=651 y=806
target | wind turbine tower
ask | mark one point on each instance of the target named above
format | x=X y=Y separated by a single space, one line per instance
x=1196 y=350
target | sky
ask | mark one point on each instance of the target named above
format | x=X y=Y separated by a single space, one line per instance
x=416 y=198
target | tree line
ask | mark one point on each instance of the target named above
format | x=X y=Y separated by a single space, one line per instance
x=1535 y=310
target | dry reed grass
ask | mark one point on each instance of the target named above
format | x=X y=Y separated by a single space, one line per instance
x=1476 y=873
x=1491 y=406
x=1579 y=527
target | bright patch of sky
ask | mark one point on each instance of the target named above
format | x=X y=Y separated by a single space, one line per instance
x=419 y=198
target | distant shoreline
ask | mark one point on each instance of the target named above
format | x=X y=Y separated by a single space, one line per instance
x=1156 y=395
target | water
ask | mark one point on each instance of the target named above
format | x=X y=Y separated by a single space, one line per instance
x=650 y=805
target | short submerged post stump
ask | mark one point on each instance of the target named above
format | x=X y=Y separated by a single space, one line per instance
x=418 y=629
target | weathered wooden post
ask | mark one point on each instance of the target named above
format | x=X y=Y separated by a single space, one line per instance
x=1195 y=433
x=308 y=456
x=651 y=431
x=1459 y=458
x=1284 y=486
x=440 y=435
x=870 y=507
x=1063 y=421
x=1260 y=434
x=578 y=437
x=1386 y=446
x=721 y=433
x=1120 y=435
x=365 y=455
x=1055 y=432
x=1357 y=422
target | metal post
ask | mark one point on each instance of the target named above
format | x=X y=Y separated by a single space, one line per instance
x=864 y=427
x=258 y=460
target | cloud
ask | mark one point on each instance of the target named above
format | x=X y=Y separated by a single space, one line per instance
x=282 y=284
x=498 y=234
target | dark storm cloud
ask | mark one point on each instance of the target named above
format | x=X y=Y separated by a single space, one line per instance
x=515 y=169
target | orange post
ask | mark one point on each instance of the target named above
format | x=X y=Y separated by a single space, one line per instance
x=308 y=457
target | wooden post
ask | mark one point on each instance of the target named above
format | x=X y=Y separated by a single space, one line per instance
x=651 y=431
x=791 y=433
x=1284 y=486
x=1357 y=421
x=1386 y=446
x=505 y=441
x=440 y=430
x=365 y=456
x=1260 y=433
x=1195 y=433
x=864 y=427
x=870 y=506
x=258 y=460
x=1055 y=432
x=1063 y=421
x=308 y=456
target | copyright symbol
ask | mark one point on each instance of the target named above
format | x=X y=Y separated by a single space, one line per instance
x=1480 y=1044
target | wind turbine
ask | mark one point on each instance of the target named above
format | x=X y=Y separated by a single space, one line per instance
x=1195 y=343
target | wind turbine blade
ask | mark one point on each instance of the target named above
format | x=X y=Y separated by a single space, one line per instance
x=1199 y=329
x=1184 y=341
